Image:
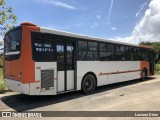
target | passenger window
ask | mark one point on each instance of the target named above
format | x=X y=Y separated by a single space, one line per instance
x=82 y=55
x=92 y=55
x=106 y=52
x=118 y=54
x=89 y=52
x=117 y=48
x=110 y=48
x=103 y=47
x=93 y=46
x=122 y=49
x=82 y=45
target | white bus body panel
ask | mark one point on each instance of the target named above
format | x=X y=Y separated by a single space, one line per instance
x=60 y=81
x=44 y=66
x=70 y=79
x=107 y=67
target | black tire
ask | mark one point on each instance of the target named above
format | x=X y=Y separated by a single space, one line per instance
x=144 y=74
x=88 y=84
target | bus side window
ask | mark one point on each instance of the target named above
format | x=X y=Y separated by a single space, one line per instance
x=110 y=51
x=117 y=53
x=136 y=54
x=106 y=51
x=122 y=52
x=92 y=51
x=103 y=51
x=82 y=50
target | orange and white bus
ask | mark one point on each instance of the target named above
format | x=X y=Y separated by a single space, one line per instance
x=42 y=61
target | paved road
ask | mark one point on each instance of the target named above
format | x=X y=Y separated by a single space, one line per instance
x=128 y=96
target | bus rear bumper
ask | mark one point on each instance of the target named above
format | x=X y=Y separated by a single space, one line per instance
x=17 y=86
x=28 y=89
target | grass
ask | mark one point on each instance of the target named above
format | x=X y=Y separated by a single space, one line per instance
x=2 y=87
x=158 y=69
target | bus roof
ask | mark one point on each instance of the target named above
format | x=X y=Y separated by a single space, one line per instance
x=74 y=35
x=145 y=46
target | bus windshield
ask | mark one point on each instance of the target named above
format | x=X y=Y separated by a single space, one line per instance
x=13 y=44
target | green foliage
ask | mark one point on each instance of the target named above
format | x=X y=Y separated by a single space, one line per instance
x=2 y=87
x=1 y=61
x=155 y=45
x=7 y=21
x=158 y=68
x=7 y=18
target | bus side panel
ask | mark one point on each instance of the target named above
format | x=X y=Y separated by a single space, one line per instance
x=84 y=67
x=35 y=88
x=108 y=72
x=28 y=65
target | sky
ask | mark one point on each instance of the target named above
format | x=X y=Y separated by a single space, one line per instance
x=130 y=21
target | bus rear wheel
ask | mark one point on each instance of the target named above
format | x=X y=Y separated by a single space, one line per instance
x=144 y=74
x=88 y=84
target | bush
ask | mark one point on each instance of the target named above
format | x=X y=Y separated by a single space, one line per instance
x=2 y=87
x=158 y=68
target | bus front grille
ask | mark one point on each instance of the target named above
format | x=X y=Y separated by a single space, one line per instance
x=47 y=79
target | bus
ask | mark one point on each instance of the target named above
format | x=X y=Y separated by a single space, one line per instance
x=42 y=61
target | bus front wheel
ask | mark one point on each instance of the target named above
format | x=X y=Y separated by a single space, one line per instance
x=88 y=84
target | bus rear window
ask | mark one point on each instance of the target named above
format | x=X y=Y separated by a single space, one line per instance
x=13 y=44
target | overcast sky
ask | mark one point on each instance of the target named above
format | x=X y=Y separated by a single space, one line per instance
x=124 y=20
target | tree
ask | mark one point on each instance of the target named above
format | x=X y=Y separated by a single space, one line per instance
x=7 y=21
x=155 y=45
x=7 y=18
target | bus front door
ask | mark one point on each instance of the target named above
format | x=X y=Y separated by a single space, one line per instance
x=65 y=66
